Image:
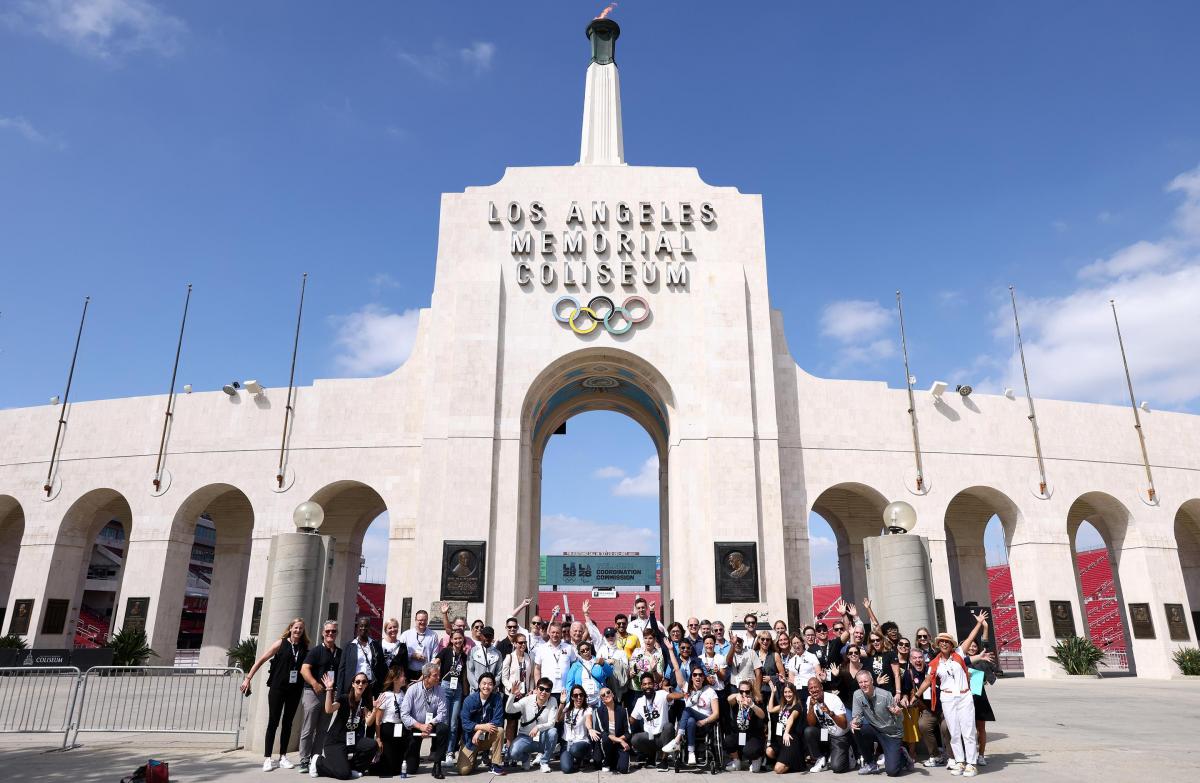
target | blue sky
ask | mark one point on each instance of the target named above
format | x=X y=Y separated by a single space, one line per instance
x=944 y=148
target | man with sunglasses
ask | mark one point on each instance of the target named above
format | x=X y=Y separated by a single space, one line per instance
x=536 y=715
x=750 y=633
x=324 y=658
x=693 y=636
x=625 y=640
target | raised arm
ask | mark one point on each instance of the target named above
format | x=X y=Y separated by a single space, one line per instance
x=980 y=624
x=866 y=602
x=525 y=602
x=675 y=667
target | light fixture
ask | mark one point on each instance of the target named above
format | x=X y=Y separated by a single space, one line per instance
x=938 y=388
x=964 y=390
x=54 y=400
x=187 y=388
x=1009 y=393
x=231 y=388
x=308 y=516
x=1145 y=406
x=254 y=387
x=899 y=517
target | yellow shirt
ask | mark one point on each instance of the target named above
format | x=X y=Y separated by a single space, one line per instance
x=629 y=644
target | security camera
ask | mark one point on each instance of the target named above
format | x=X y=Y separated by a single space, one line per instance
x=254 y=387
x=938 y=388
x=231 y=388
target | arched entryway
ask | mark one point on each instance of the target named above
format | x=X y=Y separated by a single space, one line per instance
x=980 y=576
x=853 y=512
x=12 y=528
x=1187 y=539
x=585 y=381
x=350 y=508
x=1098 y=576
x=89 y=555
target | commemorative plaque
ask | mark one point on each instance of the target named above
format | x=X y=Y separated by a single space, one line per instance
x=1027 y=611
x=1177 y=623
x=736 y=569
x=22 y=612
x=55 y=619
x=1063 y=619
x=463 y=569
x=939 y=610
x=135 y=614
x=1140 y=622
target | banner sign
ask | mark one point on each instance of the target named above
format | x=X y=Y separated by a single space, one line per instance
x=597 y=571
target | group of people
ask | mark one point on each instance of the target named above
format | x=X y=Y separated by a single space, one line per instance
x=851 y=694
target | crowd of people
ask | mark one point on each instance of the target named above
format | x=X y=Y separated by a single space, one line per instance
x=844 y=693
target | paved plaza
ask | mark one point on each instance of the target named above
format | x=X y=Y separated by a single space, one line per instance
x=1111 y=730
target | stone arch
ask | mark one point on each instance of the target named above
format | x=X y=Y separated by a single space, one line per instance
x=196 y=590
x=591 y=379
x=967 y=517
x=12 y=530
x=1187 y=540
x=1112 y=520
x=854 y=511
x=350 y=508
x=73 y=550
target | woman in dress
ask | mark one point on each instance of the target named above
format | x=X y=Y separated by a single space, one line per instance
x=577 y=745
x=284 y=687
x=786 y=748
x=348 y=751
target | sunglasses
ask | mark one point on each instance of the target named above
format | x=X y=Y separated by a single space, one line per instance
x=543 y=689
x=512 y=627
x=853 y=652
x=839 y=628
x=922 y=636
x=744 y=693
x=903 y=644
x=521 y=643
x=330 y=633
x=360 y=682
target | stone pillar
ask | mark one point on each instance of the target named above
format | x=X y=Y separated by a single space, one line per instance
x=899 y=579
x=156 y=566
x=1042 y=571
x=226 y=599
x=297 y=579
x=1149 y=573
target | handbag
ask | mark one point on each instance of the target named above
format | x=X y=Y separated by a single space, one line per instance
x=153 y=771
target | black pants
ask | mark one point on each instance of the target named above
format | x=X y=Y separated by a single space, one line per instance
x=607 y=753
x=839 y=748
x=437 y=747
x=894 y=761
x=755 y=747
x=649 y=746
x=395 y=747
x=337 y=761
x=282 y=702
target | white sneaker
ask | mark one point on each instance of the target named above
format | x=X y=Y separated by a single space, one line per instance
x=981 y=760
x=604 y=769
x=312 y=767
x=691 y=757
x=355 y=774
x=969 y=771
x=934 y=762
x=449 y=759
x=671 y=746
x=756 y=765
x=955 y=768
x=536 y=759
x=867 y=769
x=544 y=767
x=819 y=765
x=284 y=763
x=734 y=765
x=268 y=765
x=880 y=761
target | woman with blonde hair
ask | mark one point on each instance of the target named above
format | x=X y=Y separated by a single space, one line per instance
x=284 y=687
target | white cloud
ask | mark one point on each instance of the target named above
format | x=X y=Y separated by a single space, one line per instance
x=566 y=533
x=1070 y=340
x=374 y=340
x=104 y=29
x=644 y=484
x=609 y=472
x=24 y=128
x=854 y=320
x=443 y=62
x=478 y=55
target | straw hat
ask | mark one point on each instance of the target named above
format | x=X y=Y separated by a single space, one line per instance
x=945 y=637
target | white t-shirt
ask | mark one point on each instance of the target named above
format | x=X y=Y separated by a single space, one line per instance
x=424 y=643
x=704 y=701
x=744 y=664
x=951 y=676
x=391 y=706
x=636 y=626
x=555 y=662
x=713 y=667
x=835 y=705
x=575 y=725
x=652 y=712
x=803 y=666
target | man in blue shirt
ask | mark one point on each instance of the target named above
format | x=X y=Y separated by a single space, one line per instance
x=482 y=727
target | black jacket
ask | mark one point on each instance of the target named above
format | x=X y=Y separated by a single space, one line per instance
x=349 y=666
x=600 y=716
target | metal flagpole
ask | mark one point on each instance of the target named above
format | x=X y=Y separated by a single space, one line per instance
x=287 y=413
x=1043 y=485
x=1137 y=419
x=162 y=442
x=62 y=416
x=912 y=404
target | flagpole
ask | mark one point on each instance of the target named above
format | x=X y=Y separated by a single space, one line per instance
x=62 y=416
x=162 y=442
x=1137 y=419
x=1043 y=485
x=287 y=413
x=912 y=403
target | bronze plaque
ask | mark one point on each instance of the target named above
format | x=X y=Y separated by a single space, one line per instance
x=1063 y=619
x=135 y=614
x=1140 y=622
x=256 y=616
x=464 y=566
x=22 y=613
x=1177 y=623
x=1027 y=612
x=736 y=570
x=54 y=621
x=939 y=609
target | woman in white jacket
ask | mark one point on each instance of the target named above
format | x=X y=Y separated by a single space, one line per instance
x=516 y=675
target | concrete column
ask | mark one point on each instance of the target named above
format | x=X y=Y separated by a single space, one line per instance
x=296 y=581
x=226 y=599
x=1150 y=573
x=156 y=566
x=1043 y=570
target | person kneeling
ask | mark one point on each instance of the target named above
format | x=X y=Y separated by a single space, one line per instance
x=826 y=719
x=537 y=714
x=746 y=742
x=482 y=722
x=348 y=751
x=877 y=718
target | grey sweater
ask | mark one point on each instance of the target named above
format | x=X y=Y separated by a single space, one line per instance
x=875 y=712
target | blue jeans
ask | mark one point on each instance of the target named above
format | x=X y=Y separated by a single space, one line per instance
x=574 y=755
x=454 y=702
x=894 y=761
x=689 y=724
x=524 y=745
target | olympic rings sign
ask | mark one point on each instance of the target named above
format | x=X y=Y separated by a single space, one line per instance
x=600 y=311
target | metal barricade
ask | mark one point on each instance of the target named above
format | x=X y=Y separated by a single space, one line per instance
x=159 y=699
x=38 y=699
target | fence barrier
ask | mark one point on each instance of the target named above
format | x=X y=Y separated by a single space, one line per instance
x=158 y=699
x=38 y=699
